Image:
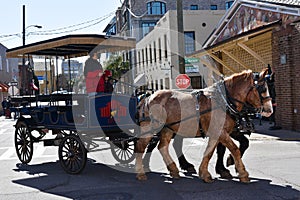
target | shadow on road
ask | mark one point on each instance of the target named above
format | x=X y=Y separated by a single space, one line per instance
x=99 y=181
x=265 y=127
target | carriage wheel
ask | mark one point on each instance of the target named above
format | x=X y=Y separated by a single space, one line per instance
x=123 y=151
x=72 y=154
x=23 y=142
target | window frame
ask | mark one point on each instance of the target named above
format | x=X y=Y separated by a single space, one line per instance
x=187 y=42
x=194 y=7
x=156 y=8
x=228 y=4
x=213 y=7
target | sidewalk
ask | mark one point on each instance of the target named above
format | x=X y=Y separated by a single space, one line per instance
x=263 y=131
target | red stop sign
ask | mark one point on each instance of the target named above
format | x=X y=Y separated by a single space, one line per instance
x=183 y=81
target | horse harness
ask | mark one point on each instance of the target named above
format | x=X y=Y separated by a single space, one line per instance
x=224 y=100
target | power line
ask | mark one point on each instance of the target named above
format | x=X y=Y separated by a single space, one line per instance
x=75 y=25
x=58 y=31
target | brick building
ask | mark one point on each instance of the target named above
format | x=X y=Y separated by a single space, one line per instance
x=253 y=35
x=286 y=62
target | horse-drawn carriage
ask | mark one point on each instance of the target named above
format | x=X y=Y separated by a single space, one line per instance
x=78 y=120
x=75 y=120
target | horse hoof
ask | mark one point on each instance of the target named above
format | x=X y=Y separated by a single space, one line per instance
x=245 y=180
x=226 y=175
x=191 y=170
x=141 y=177
x=229 y=161
x=175 y=175
x=208 y=180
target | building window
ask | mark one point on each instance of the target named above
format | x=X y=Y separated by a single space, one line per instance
x=159 y=49
x=189 y=42
x=154 y=46
x=166 y=46
x=150 y=53
x=194 y=7
x=146 y=27
x=139 y=58
x=213 y=7
x=112 y=30
x=156 y=8
x=143 y=56
x=228 y=4
x=7 y=66
x=146 y=52
x=0 y=63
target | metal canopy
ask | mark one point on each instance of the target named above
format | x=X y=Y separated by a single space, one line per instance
x=71 y=46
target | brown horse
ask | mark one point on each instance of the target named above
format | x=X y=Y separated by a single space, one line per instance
x=169 y=112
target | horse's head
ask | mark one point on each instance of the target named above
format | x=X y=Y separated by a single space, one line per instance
x=259 y=96
x=260 y=83
x=142 y=101
x=244 y=88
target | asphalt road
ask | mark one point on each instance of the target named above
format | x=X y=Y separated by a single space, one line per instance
x=273 y=165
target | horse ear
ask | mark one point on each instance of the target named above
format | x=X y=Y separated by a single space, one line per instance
x=264 y=74
x=269 y=69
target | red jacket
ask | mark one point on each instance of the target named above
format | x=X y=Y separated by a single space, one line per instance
x=93 y=82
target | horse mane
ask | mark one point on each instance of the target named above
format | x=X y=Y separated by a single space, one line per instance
x=237 y=77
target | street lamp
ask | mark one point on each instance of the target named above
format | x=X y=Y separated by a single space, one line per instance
x=24 y=31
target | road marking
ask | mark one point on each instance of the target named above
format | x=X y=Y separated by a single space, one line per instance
x=8 y=153
x=2 y=131
x=38 y=152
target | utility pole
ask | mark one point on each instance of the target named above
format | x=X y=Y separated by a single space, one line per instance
x=22 y=70
x=180 y=37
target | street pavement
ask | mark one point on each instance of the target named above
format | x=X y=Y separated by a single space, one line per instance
x=272 y=161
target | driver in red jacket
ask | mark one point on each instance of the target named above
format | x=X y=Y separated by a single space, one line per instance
x=93 y=71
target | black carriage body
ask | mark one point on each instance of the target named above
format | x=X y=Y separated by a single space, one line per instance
x=110 y=115
x=73 y=117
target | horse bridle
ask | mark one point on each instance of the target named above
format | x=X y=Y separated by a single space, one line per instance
x=260 y=85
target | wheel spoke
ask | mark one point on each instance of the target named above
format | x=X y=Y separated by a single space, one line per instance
x=72 y=154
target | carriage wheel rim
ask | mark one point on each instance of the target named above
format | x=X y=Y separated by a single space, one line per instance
x=123 y=153
x=23 y=143
x=72 y=155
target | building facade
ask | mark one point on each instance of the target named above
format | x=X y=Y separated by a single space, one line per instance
x=8 y=73
x=136 y=18
x=157 y=53
x=253 y=35
x=71 y=69
x=45 y=73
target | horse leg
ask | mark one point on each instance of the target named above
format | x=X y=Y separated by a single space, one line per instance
x=203 y=168
x=184 y=164
x=227 y=142
x=163 y=147
x=146 y=160
x=244 y=144
x=220 y=168
x=140 y=147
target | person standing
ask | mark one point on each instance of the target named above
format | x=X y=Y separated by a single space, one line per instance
x=92 y=72
x=4 y=105
x=108 y=82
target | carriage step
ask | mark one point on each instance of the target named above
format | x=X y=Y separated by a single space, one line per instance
x=51 y=142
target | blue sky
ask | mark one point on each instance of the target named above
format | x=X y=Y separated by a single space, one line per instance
x=52 y=15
